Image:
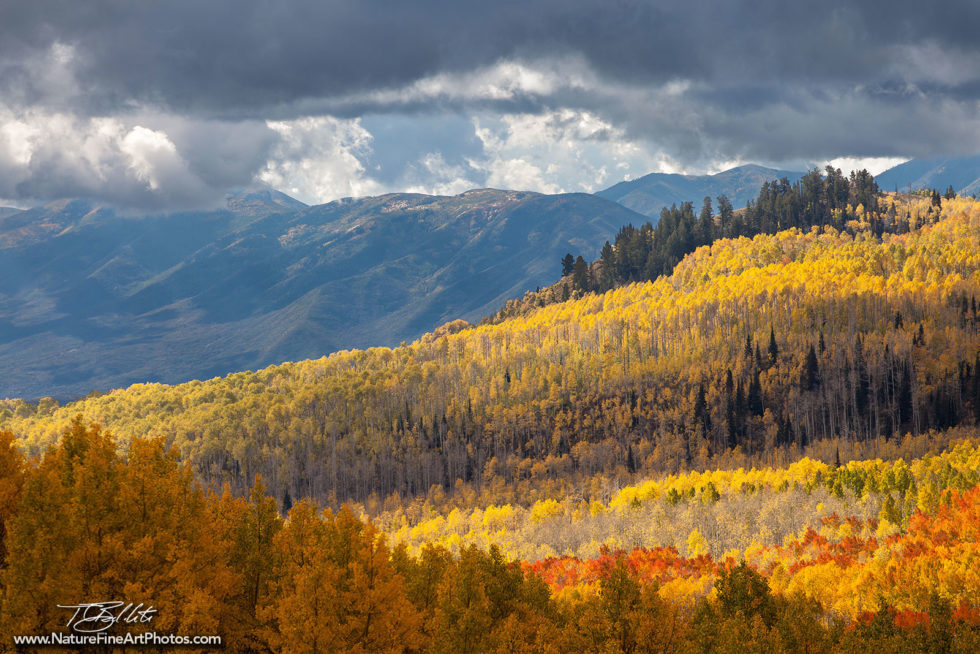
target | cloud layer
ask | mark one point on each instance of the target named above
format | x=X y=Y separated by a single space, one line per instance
x=159 y=104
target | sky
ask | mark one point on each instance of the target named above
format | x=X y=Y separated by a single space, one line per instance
x=167 y=104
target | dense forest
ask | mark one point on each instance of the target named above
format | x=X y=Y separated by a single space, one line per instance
x=754 y=350
x=647 y=252
x=86 y=520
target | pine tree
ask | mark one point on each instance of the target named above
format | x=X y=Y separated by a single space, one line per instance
x=773 y=348
x=705 y=227
x=725 y=215
x=701 y=415
x=580 y=275
x=811 y=371
x=567 y=265
x=607 y=272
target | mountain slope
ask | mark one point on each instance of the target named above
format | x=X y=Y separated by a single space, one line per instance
x=651 y=193
x=755 y=347
x=962 y=173
x=92 y=300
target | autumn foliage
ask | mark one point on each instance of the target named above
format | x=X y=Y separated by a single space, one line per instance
x=753 y=350
x=86 y=521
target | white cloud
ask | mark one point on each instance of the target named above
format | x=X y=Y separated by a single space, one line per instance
x=562 y=150
x=873 y=165
x=152 y=156
x=325 y=158
x=435 y=176
x=52 y=155
x=502 y=81
x=320 y=159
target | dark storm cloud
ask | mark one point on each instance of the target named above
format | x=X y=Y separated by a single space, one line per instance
x=701 y=80
x=253 y=57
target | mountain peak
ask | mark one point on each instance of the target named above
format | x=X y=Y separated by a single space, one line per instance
x=256 y=201
x=962 y=173
x=652 y=193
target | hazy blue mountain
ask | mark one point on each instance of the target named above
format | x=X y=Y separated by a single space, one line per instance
x=651 y=193
x=962 y=173
x=94 y=300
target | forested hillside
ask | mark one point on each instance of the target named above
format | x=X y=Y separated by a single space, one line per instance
x=86 y=518
x=752 y=349
x=645 y=253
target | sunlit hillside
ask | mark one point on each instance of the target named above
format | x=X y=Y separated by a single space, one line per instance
x=753 y=350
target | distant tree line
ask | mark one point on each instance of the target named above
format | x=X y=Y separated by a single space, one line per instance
x=649 y=251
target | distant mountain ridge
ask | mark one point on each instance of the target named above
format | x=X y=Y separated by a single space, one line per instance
x=651 y=193
x=962 y=173
x=92 y=300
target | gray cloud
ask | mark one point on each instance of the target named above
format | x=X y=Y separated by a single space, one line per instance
x=251 y=57
x=693 y=81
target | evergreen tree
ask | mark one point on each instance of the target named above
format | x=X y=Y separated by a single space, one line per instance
x=705 y=223
x=755 y=396
x=567 y=265
x=725 y=215
x=580 y=275
x=701 y=415
x=811 y=371
x=773 y=348
x=607 y=272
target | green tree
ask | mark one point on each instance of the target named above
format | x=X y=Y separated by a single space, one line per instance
x=580 y=276
x=811 y=371
x=567 y=265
